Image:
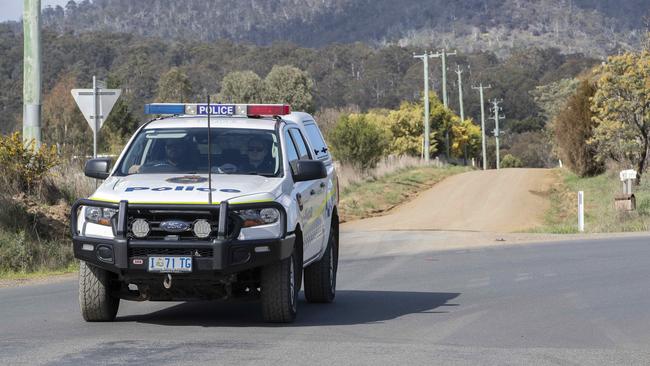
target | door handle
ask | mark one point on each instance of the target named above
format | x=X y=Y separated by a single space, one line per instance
x=322 y=184
x=312 y=192
x=299 y=200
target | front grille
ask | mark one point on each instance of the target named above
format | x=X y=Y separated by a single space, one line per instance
x=143 y=252
x=156 y=217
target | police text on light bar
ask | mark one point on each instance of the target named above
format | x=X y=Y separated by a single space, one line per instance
x=218 y=109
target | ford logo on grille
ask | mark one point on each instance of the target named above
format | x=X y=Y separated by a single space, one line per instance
x=175 y=226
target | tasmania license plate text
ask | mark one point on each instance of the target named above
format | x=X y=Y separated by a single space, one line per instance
x=170 y=264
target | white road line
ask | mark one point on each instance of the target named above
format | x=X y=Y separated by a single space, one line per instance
x=523 y=277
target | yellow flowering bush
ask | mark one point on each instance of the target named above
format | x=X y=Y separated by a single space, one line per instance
x=24 y=165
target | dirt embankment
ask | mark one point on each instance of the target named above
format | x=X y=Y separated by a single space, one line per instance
x=505 y=200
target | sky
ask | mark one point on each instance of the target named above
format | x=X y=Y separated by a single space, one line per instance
x=13 y=9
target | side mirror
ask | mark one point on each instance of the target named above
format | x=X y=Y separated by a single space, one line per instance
x=97 y=168
x=304 y=170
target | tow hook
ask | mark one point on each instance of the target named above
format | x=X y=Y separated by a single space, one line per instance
x=167 y=282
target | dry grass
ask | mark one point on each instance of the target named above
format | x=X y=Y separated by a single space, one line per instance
x=34 y=234
x=600 y=214
x=69 y=178
x=349 y=175
x=393 y=183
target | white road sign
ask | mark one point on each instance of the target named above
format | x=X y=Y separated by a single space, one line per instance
x=627 y=175
x=85 y=99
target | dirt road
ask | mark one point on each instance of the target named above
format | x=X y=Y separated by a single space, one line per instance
x=506 y=200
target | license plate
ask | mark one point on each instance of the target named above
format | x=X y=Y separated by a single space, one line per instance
x=170 y=264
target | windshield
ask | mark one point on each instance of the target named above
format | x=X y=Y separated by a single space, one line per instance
x=234 y=151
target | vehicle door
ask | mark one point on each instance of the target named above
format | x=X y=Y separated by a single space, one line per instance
x=321 y=152
x=310 y=195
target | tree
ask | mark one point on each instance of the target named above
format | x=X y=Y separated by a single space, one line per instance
x=119 y=126
x=358 y=141
x=174 y=86
x=406 y=127
x=551 y=97
x=241 y=87
x=621 y=107
x=288 y=84
x=64 y=125
x=467 y=138
x=572 y=128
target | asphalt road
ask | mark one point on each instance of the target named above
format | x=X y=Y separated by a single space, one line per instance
x=579 y=302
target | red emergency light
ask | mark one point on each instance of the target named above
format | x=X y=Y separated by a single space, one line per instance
x=268 y=109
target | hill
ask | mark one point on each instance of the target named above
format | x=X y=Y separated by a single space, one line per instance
x=593 y=27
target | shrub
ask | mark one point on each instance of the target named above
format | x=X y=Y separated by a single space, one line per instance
x=24 y=166
x=511 y=161
x=19 y=253
x=356 y=140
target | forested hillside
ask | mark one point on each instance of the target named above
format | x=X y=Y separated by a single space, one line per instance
x=593 y=27
x=343 y=75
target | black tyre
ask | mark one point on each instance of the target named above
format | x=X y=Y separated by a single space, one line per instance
x=95 y=299
x=280 y=287
x=320 y=277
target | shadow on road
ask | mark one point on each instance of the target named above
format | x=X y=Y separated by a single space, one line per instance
x=350 y=307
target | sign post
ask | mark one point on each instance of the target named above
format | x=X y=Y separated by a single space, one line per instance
x=96 y=104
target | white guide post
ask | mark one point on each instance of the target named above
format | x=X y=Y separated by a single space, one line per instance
x=581 y=211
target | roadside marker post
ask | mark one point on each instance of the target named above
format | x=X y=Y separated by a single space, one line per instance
x=581 y=211
x=96 y=104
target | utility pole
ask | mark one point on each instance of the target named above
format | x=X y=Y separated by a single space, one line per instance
x=96 y=114
x=496 y=109
x=32 y=72
x=480 y=89
x=459 y=71
x=443 y=56
x=425 y=58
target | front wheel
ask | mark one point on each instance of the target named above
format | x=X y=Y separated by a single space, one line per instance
x=280 y=287
x=95 y=298
x=320 y=277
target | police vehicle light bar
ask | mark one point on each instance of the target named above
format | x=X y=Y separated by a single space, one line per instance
x=218 y=109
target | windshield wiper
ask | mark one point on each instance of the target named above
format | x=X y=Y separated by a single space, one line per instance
x=260 y=174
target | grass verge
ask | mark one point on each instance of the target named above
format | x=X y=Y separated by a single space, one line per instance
x=600 y=214
x=23 y=256
x=375 y=196
x=38 y=274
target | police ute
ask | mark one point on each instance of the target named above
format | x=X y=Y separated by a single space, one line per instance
x=211 y=201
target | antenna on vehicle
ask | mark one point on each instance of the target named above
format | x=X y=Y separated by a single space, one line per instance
x=209 y=155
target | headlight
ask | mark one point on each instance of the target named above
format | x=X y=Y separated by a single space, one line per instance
x=98 y=215
x=257 y=217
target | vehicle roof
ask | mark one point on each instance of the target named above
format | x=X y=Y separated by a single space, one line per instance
x=262 y=123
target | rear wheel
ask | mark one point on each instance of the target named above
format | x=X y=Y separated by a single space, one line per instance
x=280 y=287
x=320 y=277
x=95 y=299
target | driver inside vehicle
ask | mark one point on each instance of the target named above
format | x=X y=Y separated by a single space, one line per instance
x=175 y=159
x=259 y=157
